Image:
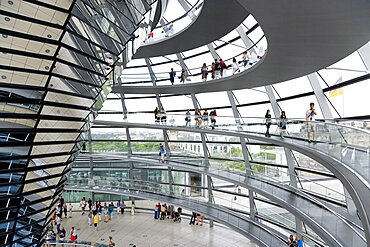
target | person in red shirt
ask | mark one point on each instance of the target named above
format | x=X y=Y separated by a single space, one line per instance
x=213 y=115
x=223 y=66
x=73 y=234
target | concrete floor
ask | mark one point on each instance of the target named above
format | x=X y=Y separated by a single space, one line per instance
x=143 y=230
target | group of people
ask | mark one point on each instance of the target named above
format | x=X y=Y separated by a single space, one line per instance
x=160 y=116
x=282 y=123
x=201 y=119
x=182 y=77
x=95 y=212
x=218 y=67
x=294 y=242
x=56 y=221
x=163 y=211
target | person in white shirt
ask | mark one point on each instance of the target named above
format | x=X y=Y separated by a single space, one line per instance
x=235 y=66
x=310 y=122
x=70 y=210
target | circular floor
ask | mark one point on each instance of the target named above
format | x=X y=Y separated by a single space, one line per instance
x=144 y=231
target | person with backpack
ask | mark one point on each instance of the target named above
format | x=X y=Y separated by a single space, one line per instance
x=217 y=69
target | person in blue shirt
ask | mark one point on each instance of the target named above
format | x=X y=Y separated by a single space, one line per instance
x=162 y=153
x=110 y=210
x=172 y=76
x=299 y=242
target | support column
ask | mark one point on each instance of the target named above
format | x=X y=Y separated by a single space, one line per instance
x=184 y=5
x=122 y=96
x=206 y=160
x=245 y=151
x=131 y=164
x=168 y=156
x=324 y=106
x=364 y=53
x=213 y=51
x=288 y=153
x=187 y=182
x=153 y=78
x=165 y=135
x=248 y=43
x=91 y=161
x=320 y=96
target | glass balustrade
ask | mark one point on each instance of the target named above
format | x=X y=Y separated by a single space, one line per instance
x=347 y=144
x=194 y=75
x=138 y=187
x=171 y=28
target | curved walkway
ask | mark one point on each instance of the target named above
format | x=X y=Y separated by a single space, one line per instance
x=303 y=37
x=331 y=227
x=261 y=234
x=216 y=19
x=350 y=179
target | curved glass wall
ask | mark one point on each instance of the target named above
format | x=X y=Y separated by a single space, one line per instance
x=55 y=70
x=52 y=80
x=340 y=83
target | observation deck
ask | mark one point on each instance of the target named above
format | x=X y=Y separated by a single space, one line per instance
x=298 y=44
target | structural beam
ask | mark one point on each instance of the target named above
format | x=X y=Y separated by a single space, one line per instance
x=320 y=96
x=206 y=159
x=364 y=53
x=245 y=152
x=165 y=135
x=288 y=152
